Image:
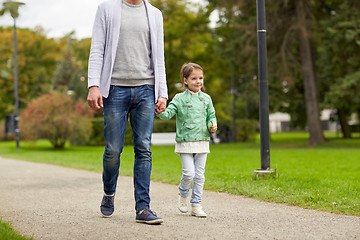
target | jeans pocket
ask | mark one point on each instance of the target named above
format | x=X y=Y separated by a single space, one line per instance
x=111 y=89
x=150 y=87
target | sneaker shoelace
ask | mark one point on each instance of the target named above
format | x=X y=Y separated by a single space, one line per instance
x=108 y=201
x=148 y=210
x=198 y=209
x=154 y=213
x=183 y=202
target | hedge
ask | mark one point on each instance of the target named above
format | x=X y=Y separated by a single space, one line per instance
x=245 y=130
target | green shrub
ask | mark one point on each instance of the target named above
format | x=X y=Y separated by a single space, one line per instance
x=128 y=135
x=164 y=126
x=82 y=135
x=355 y=128
x=97 y=133
x=245 y=130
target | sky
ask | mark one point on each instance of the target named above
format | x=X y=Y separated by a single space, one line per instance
x=56 y=17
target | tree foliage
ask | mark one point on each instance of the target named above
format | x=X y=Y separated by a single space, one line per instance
x=188 y=38
x=338 y=56
x=71 y=71
x=226 y=50
x=37 y=57
x=235 y=35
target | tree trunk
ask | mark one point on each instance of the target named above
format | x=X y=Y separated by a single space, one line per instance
x=345 y=128
x=309 y=78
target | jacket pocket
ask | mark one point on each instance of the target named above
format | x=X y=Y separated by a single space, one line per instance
x=182 y=128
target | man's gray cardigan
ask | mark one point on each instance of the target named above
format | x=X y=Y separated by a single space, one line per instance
x=104 y=43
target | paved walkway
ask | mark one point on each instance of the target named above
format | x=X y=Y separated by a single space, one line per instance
x=51 y=202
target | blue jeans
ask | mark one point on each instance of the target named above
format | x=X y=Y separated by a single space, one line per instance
x=138 y=102
x=193 y=169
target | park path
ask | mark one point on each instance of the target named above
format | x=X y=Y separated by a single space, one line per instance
x=52 y=202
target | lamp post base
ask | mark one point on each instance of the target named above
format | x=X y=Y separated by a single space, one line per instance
x=259 y=173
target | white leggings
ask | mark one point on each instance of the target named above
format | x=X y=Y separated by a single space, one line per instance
x=193 y=169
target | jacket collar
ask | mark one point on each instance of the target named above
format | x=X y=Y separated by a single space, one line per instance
x=188 y=92
x=188 y=95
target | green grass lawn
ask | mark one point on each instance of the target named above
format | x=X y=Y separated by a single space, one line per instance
x=7 y=232
x=326 y=177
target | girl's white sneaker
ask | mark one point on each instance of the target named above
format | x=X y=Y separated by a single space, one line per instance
x=182 y=204
x=198 y=212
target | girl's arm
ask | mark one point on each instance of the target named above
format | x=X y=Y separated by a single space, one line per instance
x=170 y=111
x=211 y=118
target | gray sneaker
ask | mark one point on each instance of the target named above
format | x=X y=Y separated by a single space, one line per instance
x=107 y=206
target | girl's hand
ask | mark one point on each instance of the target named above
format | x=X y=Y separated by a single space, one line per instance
x=213 y=128
x=160 y=105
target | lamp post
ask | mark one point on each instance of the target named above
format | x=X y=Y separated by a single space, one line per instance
x=263 y=90
x=13 y=8
x=17 y=130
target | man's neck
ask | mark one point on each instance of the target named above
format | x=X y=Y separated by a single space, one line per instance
x=134 y=2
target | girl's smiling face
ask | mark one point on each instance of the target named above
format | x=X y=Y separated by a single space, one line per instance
x=195 y=80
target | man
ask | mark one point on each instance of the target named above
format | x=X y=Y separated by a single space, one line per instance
x=126 y=77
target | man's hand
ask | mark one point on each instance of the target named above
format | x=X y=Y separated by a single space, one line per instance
x=94 y=98
x=160 y=105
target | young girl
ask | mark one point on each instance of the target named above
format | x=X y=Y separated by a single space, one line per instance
x=195 y=122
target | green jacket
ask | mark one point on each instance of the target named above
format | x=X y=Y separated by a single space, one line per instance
x=194 y=115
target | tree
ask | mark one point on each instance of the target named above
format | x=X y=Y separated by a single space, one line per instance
x=188 y=38
x=338 y=62
x=309 y=74
x=293 y=76
x=236 y=34
x=71 y=71
x=37 y=58
x=290 y=42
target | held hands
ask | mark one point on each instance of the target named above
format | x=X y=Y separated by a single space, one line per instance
x=94 y=98
x=160 y=105
x=95 y=102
